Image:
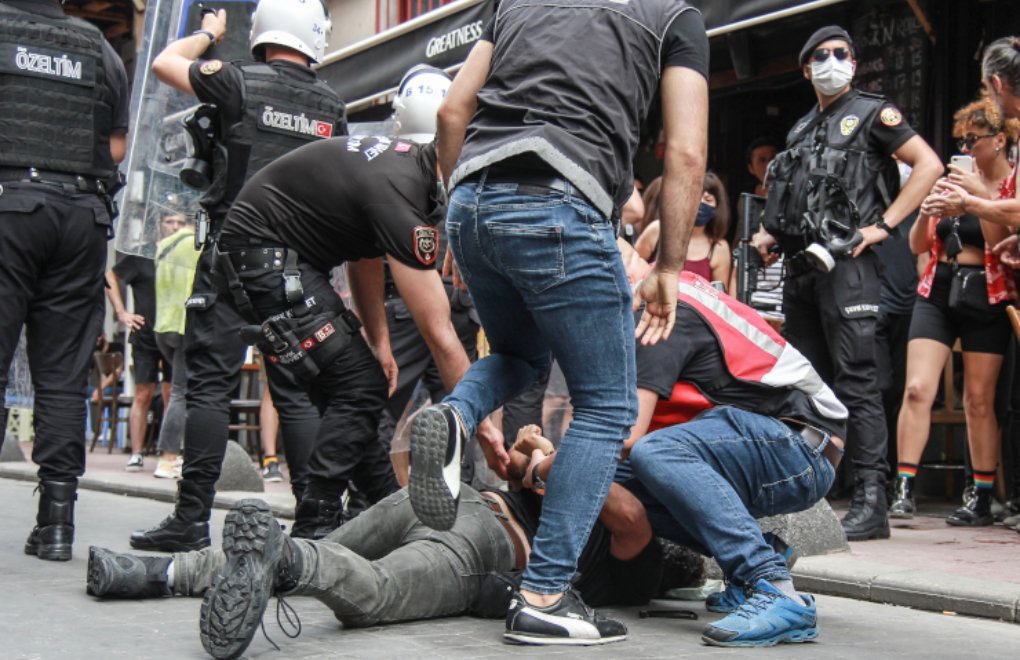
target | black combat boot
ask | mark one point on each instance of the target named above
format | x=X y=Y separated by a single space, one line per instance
x=186 y=529
x=976 y=513
x=903 y=499
x=53 y=534
x=314 y=519
x=261 y=562
x=115 y=575
x=867 y=517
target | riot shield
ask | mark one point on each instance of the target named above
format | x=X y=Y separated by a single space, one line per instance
x=159 y=144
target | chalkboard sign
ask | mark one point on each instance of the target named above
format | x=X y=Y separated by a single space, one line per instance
x=892 y=58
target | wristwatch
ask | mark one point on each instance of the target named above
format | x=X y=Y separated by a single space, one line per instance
x=212 y=37
x=881 y=225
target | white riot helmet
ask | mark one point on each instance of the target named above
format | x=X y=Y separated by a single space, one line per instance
x=303 y=25
x=421 y=91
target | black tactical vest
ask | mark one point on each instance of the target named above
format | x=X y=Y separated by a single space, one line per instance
x=280 y=114
x=826 y=168
x=56 y=108
x=578 y=107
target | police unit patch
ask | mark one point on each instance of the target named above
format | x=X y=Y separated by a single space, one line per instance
x=890 y=116
x=325 y=331
x=426 y=244
x=210 y=67
x=295 y=124
x=849 y=125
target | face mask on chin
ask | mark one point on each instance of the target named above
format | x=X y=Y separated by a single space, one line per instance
x=832 y=75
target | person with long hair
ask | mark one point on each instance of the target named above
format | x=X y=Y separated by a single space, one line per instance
x=959 y=249
x=708 y=253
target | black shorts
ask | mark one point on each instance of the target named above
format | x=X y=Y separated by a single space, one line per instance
x=147 y=363
x=978 y=333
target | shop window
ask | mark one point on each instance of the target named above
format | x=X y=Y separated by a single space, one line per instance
x=414 y=8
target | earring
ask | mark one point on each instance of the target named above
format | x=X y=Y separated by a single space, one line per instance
x=997 y=150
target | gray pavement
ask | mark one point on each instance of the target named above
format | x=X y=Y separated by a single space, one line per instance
x=45 y=613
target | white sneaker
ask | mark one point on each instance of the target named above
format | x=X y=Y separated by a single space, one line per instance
x=135 y=463
x=167 y=469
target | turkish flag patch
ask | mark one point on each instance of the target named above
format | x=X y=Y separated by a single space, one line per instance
x=308 y=344
x=426 y=244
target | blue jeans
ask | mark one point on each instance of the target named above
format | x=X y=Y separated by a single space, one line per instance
x=546 y=276
x=711 y=477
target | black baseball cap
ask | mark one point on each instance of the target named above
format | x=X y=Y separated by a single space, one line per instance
x=822 y=35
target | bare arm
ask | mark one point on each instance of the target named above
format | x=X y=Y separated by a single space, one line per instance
x=118 y=147
x=685 y=125
x=366 y=280
x=459 y=106
x=646 y=407
x=926 y=169
x=172 y=64
x=622 y=513
x=646 y=242
x=920 y=234
x=425 y=296
x=131 y=321
x=721 y=262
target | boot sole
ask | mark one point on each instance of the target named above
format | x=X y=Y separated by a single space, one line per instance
x=170 y=546
x=233 y=606
x=901 y=516
x=97 y=582
x=536 y=640
x=431 y=498
x=877 y=534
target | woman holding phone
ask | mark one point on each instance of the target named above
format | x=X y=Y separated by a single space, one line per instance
x=961 y=295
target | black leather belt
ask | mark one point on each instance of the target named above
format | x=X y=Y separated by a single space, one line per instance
x=544 y=180
x=33 y=175
x=815 y=438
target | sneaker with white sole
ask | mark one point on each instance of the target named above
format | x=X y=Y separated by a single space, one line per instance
x=568 y=622
x=437 y=440
x=768 y=617
x=135 y=463
x=165 y=469
x=271 y=472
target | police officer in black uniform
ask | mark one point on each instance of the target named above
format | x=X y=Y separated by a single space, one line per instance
x=341 y=201
x=265 y=108
x=63 y=121
x=834 y=195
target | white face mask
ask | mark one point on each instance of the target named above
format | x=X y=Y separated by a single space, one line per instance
x=832 y=75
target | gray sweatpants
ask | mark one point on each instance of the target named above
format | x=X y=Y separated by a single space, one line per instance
x=385 y=566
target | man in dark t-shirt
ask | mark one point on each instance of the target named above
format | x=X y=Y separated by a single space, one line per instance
x=539 y=155
x=742 y=427
x=139 y=273
x=342 y=201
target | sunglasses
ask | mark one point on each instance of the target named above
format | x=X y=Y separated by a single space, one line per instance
x=969 y=141
x=822 y=54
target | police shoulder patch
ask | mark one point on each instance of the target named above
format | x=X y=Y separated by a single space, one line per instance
x=849 y=123
x=209 y=67
x=426 y=244
x=890 y=116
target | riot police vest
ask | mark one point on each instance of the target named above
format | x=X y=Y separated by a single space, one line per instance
x=56 y=109
x=280 y=114
x=583 y=115
x=825 y=172
x=753 y=352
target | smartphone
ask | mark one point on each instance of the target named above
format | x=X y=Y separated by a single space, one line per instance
x=965 y=163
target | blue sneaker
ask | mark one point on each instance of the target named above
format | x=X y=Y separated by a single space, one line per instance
x=767 y=618
x=726 y=601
